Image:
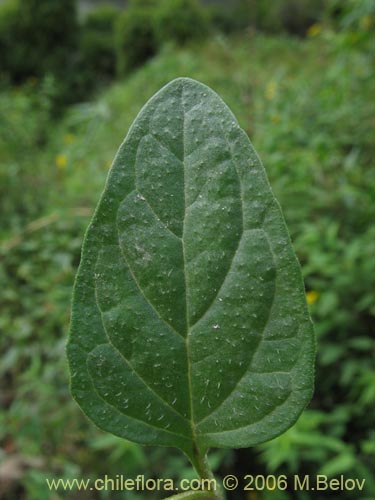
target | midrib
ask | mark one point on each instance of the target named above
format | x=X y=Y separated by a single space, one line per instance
x=192 y=423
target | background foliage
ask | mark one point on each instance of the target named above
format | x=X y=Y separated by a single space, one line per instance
x=304 y=95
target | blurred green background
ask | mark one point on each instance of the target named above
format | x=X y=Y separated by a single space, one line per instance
x=299 y=76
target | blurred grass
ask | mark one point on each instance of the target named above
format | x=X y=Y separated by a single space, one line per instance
x=307 y=106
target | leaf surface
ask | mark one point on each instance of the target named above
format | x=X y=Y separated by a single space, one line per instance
x=189 y=324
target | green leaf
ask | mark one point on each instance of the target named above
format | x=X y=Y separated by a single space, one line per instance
x=189 y=325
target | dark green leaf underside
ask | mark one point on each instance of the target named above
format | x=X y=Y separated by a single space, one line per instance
x=189 y=316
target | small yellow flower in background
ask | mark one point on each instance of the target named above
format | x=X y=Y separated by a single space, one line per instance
x=312 y=296
x=271 y=90
x=69 y=138
x=275 y=118
x=366 y=22
x=314 y=30
x=61 y=161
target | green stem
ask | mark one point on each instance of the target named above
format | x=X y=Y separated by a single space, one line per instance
x=202 y=466
x=204 y=471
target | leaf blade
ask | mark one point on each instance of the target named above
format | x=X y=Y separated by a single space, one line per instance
x=186 y=287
